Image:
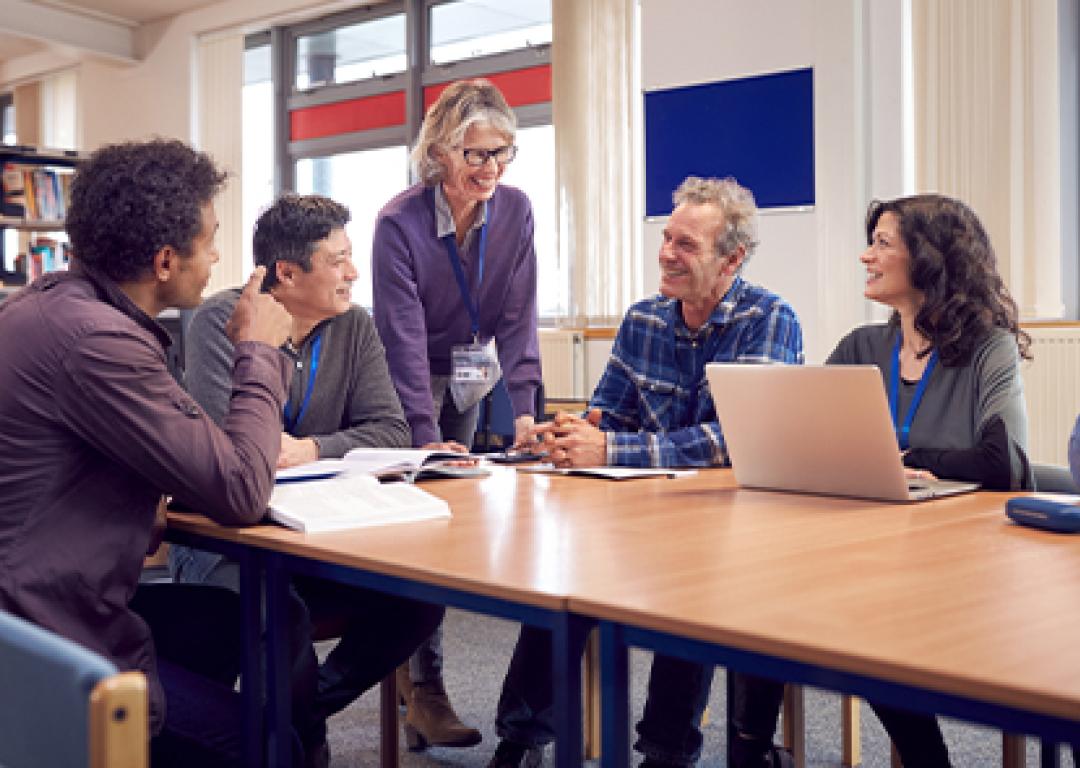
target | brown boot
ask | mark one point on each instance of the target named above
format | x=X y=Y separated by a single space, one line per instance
x=429 y=719
x=404 y=684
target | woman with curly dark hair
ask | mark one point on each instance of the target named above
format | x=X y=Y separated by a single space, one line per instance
x=950 y=361
x=950 y=354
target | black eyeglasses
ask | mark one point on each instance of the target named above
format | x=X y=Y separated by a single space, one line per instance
x=477 y=157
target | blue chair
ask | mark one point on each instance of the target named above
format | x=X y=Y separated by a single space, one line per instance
x=65 y=705
x=495 y=427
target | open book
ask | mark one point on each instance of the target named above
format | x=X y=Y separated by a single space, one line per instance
x=386 y=464
x=351 y=500
x=410 y=463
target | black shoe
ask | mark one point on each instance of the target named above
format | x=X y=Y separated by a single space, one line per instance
x=780 y=758
x=508 y=755
x=766 y=756
x=318 y=756
x=650 y=762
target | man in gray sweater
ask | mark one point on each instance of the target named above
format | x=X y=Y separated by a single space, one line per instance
x=340 y=397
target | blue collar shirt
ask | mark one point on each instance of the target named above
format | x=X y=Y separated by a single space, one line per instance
x=654 y=397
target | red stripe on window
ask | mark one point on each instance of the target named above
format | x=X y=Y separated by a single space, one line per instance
x=382 y=111
x=519 y=86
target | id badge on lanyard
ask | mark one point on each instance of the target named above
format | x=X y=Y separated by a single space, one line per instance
x=475 y=367
x=903 y=428
x=474 y=363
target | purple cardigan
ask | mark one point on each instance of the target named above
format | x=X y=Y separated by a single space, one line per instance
x=419 y=311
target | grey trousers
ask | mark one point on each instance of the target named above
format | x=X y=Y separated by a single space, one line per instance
x=426 y=663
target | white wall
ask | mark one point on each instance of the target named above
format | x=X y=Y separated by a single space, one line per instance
x=809 y=257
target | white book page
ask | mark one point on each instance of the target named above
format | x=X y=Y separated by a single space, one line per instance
x=352 y=501
x=383 y=460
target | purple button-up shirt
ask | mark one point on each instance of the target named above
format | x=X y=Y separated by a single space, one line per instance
x=93 y=431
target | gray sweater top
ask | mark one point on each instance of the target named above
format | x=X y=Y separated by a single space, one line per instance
x=352 y=404
x=965 y=410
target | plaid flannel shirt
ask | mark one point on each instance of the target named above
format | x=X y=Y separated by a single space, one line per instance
x=655 y=400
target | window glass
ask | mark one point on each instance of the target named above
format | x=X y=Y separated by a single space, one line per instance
x=7 y=136
x=364 y=181
x=466 y=29
x=533 y=172
x=257 y=184
x=350 y=53
x=7 y=119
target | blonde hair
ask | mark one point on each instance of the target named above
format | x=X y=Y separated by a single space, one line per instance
x=735 y=201
x=462 y=104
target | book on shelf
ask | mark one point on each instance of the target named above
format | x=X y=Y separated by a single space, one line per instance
x=14 y=200
x=351 y=500
x=35 y=192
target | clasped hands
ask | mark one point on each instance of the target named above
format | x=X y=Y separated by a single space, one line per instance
x=569 y=440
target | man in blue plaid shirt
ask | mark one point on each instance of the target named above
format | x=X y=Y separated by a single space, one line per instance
x=653 y=408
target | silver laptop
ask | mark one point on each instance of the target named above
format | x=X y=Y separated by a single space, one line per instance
x=815 y=429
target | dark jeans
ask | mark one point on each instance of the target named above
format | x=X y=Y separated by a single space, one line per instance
x=669 y=729
x=756 y=708
x=196 y=631
x=377 y=633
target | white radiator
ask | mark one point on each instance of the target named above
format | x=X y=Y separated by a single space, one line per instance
x=562 y=357
x=1052 y=390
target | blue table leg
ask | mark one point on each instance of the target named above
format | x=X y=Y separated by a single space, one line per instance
x=1049 y=754
x=277 y=655
x=615 y=697
x=568 y=636
x=253 y=672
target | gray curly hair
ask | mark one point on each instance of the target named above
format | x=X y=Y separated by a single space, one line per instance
x=734 y=200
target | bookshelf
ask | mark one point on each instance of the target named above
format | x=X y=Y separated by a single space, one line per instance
x=36 y=185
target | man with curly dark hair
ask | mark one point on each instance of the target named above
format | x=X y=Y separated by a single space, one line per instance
x=95 y=432
x=340 y=397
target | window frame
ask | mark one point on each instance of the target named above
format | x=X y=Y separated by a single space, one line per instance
x=420 y=74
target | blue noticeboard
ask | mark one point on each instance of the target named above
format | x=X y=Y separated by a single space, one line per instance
x=758 y=129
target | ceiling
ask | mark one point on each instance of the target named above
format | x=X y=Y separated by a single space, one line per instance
x=134 y=12
x=81 y=23
x=12 y=47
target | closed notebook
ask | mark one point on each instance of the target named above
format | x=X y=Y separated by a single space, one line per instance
x=351 y=501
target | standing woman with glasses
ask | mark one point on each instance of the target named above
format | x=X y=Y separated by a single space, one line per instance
x=454 y=287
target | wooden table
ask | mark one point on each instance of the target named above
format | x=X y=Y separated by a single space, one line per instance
x=502 y=553
x=943 y=606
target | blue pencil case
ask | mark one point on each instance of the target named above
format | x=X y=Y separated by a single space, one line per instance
x=1060 y=515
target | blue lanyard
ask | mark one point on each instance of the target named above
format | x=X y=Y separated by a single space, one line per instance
x=903 y=431
x=290 y=423
x=459 y=273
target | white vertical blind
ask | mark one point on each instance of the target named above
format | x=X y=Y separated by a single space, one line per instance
x=59 y=94
x=593 y=92
x=219 y=86
x=987 y=119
